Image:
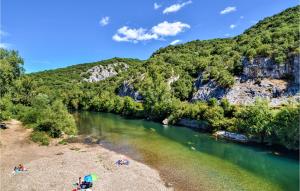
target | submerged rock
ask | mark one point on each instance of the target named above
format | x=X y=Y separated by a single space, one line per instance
x=192 y=123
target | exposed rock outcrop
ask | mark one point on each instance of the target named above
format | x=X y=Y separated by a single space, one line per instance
x=231 y=136
x=296 y=69
x=98 y=73
x=207 y=90
x=165 y=121
x=275 y=90
x=127 y=89
x=172 y=80
x=263 y=67
x=261 y=78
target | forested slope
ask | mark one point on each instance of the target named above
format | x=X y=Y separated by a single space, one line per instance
x=163 y=87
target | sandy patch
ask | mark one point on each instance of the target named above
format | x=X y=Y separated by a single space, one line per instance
x=57 y=167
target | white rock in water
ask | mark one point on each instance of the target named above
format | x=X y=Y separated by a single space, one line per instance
x=165 y=121
x=231 y=136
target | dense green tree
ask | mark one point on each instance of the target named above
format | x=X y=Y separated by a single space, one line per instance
x=286 y=126
x=10 y=69
x=256 y=119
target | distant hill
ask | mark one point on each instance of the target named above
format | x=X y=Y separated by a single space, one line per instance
x=197 y=70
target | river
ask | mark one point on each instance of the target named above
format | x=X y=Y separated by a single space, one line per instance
x=190 y=160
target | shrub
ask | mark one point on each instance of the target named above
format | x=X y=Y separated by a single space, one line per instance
x=40 y=137
x=286 y=126
x=50 y=127
x=255 y=119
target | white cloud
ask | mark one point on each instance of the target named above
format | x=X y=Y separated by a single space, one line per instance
x=228 y=10
x=176 y=7
x=104 y=21
x=232 y=26
x=175 y=42
x=242 y=17
x=169 y=29
x=157 y=6
x=164 y=29
x=126 y=34
x=227 y=35
x=4 y=45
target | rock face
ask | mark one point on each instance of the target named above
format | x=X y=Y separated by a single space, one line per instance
x=245 y=92
x=127 y=89
x=98 y=73
x=262 y=67
x=261 y=78
x=207 y=90
x=172 y=80
x=296 y=69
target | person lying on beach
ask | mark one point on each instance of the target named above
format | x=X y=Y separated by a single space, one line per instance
x=18 y=169
x=122 y=162
x=83 y=184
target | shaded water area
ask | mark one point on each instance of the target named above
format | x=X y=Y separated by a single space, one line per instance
x=191 y=160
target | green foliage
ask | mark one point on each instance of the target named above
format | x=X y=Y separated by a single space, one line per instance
x=256 y=119
x=40 y=137
x=286 y=126
x=63 y=142
x=5 y=108
x=10 y=69
x=182 y=88
x=23 y=90
x=214 y=115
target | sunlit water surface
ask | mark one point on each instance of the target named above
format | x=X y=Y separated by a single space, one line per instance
x=190 y=160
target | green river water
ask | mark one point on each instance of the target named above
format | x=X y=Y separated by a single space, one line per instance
x=190 y=160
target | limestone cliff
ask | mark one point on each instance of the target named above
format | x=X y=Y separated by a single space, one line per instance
x=98 y=73
x=261 y=78
x=127 y=89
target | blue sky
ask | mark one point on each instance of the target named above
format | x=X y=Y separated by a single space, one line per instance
x=56 y=33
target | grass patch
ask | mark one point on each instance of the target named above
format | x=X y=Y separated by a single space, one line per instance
x=63 y=142
x=40 y=137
